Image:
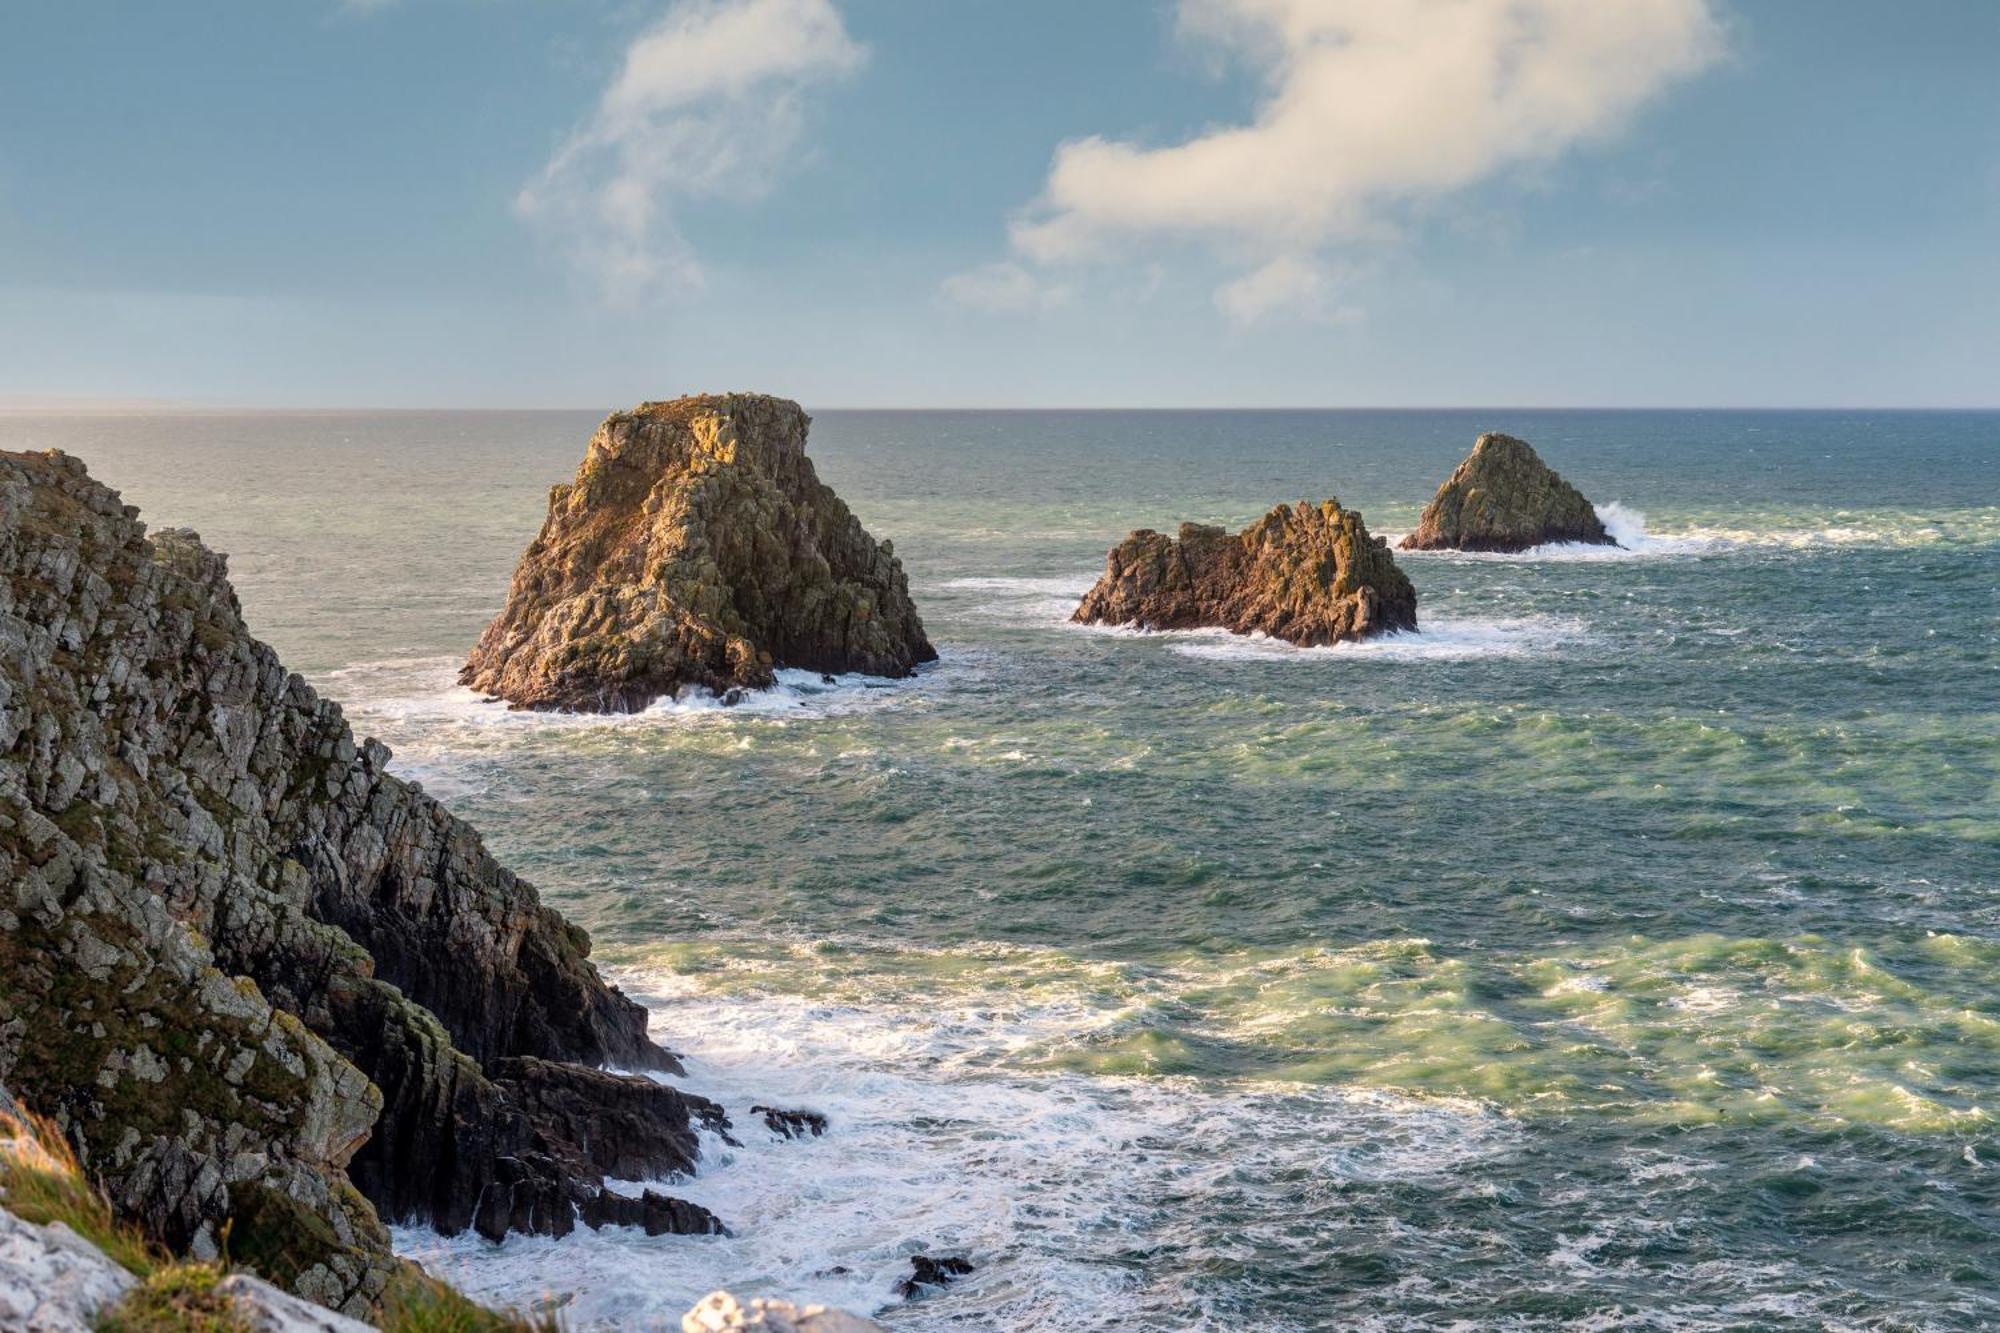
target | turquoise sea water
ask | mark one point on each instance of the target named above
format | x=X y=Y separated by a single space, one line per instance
x=1622 y=950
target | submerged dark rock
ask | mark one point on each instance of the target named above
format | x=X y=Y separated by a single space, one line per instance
x=258 y=981
x=696 y=546
x=931 y=1272
x=1307 y=573
x=1503 y=497
x=791 y=1124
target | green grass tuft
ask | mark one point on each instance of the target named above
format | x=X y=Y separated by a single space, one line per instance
x=416 y=1303
x=179 y=1298
x=42 y=1183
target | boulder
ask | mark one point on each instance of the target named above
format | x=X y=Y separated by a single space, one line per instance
x=1307 y=573
x=53 y=1280
x=271 y=993
x=721 y=1312
x=696 y=547
x=1503 y=497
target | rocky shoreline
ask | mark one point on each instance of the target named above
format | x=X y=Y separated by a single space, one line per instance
x=266 y=989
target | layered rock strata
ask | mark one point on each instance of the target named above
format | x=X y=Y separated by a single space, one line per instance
x=257 y=980
x=1307 y=573
x=1503 y=497
x=696 y=547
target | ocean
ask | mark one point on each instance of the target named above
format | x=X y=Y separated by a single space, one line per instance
x=1622 y=950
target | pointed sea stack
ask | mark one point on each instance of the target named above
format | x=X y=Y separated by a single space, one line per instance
x=696 y=547
x=1503 y=497
x=1308 y=573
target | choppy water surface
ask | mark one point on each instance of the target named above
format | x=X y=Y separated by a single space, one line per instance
x=1623 y=950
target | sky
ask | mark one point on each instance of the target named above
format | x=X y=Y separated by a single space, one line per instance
x=1001 y=203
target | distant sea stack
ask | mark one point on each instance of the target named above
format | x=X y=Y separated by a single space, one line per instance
x=1503 y=497
x=271 y=993
x=696 y=547
x=1307 y=573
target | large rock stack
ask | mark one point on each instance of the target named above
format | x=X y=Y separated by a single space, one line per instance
x=1306 y=573
x=696 y=547
x=1503 y=497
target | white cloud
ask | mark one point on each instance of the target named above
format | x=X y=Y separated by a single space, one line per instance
x=1004 y=287
x=1370 y=107
x=708 y=104
x=1291 y=285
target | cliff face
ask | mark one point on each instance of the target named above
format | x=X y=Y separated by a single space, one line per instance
x=254 y=977
x=695 y=547
x=1309 y=574
x=1503 y=497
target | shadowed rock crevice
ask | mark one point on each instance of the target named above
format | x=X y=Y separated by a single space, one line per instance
x=1503 y=497
x=696 y=547
x=1307 y=573
x=256 y=979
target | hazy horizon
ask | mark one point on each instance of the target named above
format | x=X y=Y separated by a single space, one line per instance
x=1160 y=203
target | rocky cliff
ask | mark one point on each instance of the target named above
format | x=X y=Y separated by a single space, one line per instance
x=260 y=982
x=1503 y=497
x=1306 y=573
x=696 y=547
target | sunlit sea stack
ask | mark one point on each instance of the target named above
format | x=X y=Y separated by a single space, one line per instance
x=1307 y=573
x=1503 y=497
x=696 y=548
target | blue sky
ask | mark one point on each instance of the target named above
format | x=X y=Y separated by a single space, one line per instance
x=971 y=202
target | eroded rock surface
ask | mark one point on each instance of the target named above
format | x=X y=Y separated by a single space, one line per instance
x=696 y=547
x=1503 y=497
x=1307 y=573
x=255 y=978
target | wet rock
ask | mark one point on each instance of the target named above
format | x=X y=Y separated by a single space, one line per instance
x=655 y=1213
x=1308 y=573
x=927 y=1271
x=1503 y=497
x=696 y=546
x=720 y=1312
x=258 y=981
x=792 y=1124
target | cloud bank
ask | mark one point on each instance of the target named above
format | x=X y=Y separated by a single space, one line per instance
x=707 y=105
x=1370 y=108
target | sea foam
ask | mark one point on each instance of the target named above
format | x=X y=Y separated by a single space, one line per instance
x=1045 y=1181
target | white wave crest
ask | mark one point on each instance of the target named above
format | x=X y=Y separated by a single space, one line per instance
x=1027 y=601
x=426 y=692
x=1437 y=639
x=1045 y=1182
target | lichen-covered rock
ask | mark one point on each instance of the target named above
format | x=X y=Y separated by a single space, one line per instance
x=256 y=979
x=53 y=1280
x=1306 y=573
x=696 y=547
x=262 y=1308
x=1503 y=497
x=721 y=1312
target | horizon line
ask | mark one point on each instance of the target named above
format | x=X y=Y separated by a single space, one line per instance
x=149 y=407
